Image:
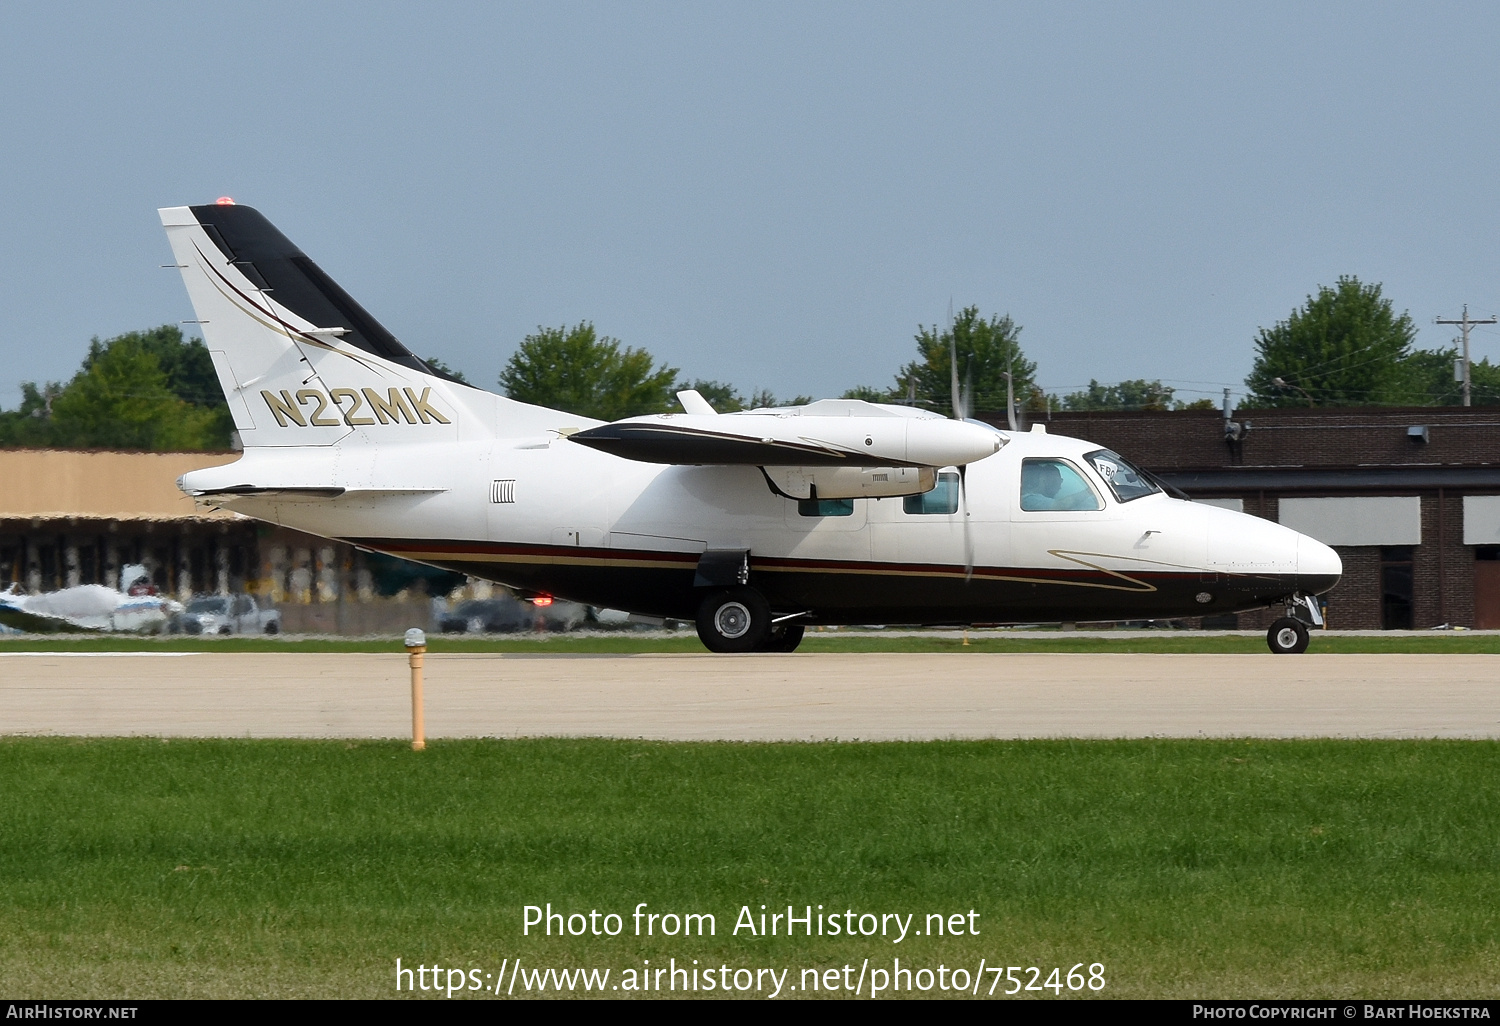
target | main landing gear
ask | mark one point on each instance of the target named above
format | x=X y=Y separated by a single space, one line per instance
x=738 y=620
x=1288 y=635
x=784 y=637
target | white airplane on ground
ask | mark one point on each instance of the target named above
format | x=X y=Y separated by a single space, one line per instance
x=90 y=607
x=754 y=525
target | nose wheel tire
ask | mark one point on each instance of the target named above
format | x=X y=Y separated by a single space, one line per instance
x=783 y=638
x=1287 y=636
x=734 y=620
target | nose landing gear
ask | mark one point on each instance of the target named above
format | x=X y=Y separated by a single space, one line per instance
x=1288 y=635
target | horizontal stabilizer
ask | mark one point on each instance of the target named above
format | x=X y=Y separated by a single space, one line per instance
x=304 y=492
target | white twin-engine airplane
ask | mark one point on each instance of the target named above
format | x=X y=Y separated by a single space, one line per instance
x=754 y=524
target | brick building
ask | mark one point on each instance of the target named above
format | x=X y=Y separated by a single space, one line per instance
x=1409 y=497
x=71 y=517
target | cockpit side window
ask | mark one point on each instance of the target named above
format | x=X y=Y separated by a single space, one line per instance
x=943 y=498
x=1055 y=485
x=1123 y=478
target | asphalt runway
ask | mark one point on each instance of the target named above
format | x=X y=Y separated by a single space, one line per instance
x=871 y=696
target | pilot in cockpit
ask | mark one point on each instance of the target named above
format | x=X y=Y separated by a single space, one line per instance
x=1053 y=485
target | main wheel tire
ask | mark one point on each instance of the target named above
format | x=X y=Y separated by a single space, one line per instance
x=734 y=620
x=783 y=637
x=1287 y=636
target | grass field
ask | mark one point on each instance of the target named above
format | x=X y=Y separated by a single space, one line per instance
x=1459 y=642
x=1188 y=868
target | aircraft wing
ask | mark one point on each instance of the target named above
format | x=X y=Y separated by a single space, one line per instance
x=684 y=444
x=794 y=437
x=38 y=623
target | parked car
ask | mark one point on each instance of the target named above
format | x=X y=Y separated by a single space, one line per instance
x=506 y=615
x=228 y=614
x=486 y=616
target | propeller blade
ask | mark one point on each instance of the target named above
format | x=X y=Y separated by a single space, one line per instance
x=963 y=507
x=953 y=367
x=955 y=398
x=1010 y=401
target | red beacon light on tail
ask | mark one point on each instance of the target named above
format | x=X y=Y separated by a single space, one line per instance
x=225 y=201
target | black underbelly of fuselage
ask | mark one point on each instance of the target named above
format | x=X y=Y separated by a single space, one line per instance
x=846 y=592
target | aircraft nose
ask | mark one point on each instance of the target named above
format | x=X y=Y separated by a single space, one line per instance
x=1318 y=566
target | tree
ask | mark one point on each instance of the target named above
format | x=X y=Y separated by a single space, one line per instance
x=443 y=368
x=185 y=363
x=30 y=425
x=1136 y=394
x=763 y=399
x=573 y=369
x=1344 y=347
x=870 y=394
x=142 y=390
x=987 y=349
x=1435 y=380
x=122 y=399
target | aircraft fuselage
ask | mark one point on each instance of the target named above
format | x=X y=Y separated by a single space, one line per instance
x=550 y=516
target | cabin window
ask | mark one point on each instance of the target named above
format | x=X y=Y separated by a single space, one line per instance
x=1123 y=478
x=1055 y=485
x=942 y=499
x=825 y=507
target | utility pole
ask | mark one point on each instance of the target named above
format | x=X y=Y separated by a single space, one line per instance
x=1466 y=324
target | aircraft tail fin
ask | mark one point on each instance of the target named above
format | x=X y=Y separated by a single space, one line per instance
x=301 y=363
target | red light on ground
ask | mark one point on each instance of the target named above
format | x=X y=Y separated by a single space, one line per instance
x=224 y=201
x=542 y=600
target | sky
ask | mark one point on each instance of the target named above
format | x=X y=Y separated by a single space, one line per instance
x=772 y=195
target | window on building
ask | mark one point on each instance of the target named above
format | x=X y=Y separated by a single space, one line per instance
x=942 y=499
x=1396 y=591
x=825 y=507
x=1055 y=485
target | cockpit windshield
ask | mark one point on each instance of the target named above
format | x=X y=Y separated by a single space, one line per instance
x=1123 y=478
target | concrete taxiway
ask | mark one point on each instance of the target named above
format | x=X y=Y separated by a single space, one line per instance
x=874 y=696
